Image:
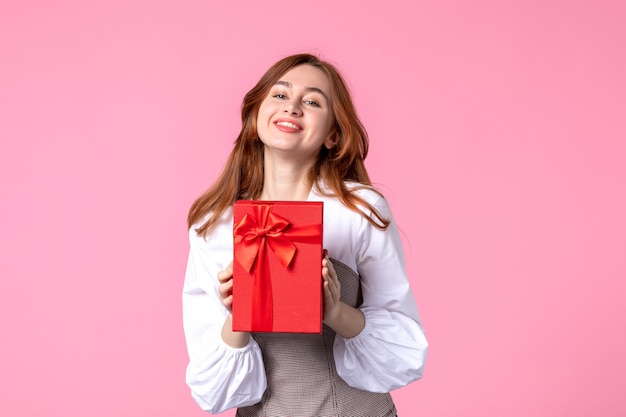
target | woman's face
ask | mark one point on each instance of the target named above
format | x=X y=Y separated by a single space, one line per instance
x=296 y=116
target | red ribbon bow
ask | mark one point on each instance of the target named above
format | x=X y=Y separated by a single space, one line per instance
x=253 y=234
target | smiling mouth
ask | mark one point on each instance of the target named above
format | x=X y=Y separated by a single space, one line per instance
x=288 y=124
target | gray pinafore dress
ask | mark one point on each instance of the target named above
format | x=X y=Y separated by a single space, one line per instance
x=302 y=380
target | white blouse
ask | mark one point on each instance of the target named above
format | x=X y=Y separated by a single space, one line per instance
x=389 y=353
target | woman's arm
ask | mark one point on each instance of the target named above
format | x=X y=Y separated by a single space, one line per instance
x=219 y=375
x=390 y=351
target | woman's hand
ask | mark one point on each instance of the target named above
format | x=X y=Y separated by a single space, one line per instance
x=345 y=320
x=234 y=339
x=226 y=286
x=332 y=289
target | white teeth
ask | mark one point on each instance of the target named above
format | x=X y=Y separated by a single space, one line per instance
x=287 y=124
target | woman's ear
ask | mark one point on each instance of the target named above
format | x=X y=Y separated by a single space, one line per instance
x=331 y=140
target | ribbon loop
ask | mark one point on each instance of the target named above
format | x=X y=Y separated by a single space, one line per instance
x=250 y=235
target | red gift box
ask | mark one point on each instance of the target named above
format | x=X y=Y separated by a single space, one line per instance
x=277 y=267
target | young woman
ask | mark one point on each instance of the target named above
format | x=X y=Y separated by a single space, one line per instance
x=301 y=139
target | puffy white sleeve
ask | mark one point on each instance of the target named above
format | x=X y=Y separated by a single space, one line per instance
x=390 y=351
x=220 y=376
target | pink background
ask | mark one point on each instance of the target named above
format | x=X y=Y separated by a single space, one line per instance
x=497 y=133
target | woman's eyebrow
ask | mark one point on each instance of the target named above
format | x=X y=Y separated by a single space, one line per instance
x=313 y=89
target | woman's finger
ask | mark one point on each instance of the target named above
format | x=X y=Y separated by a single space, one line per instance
x=225 y=274
x=228 y=302
x=226 y=287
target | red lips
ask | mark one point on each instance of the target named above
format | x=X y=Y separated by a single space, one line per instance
x=287 y=125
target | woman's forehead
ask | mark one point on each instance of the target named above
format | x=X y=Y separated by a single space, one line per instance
x=305 y=77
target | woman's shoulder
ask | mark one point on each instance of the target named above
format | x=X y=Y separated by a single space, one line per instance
x=222 y=226
x=371 y=197
x=367 y=192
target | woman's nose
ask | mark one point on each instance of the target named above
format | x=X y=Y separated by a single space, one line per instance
x=293 y=107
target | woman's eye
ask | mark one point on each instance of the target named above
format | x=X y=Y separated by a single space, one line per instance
x=280 y=96
x=312 y=103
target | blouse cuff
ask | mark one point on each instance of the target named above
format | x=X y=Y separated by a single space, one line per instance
x=375 y=361
x=228 y=377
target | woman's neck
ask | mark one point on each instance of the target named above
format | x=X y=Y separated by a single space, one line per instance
x=285 y=181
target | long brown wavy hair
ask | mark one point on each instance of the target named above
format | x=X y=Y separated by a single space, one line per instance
x=242 y=176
